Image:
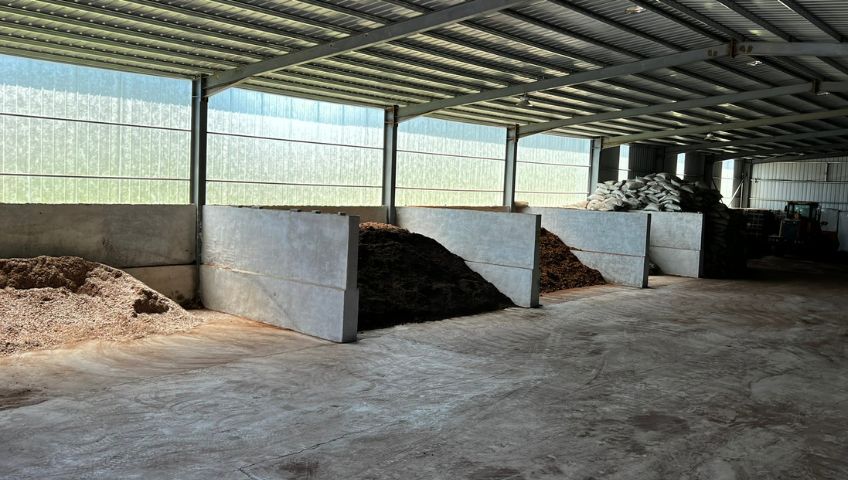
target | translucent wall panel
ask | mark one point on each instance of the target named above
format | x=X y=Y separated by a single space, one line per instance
x=269 y=149
x=726 y=184
x=82 y=135
x=552 y=170
x=623 y=162
x=449 y=163
x=680 y=168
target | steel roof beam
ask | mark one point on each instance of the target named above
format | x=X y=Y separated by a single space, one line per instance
x=534 y=128
x=613 y=71
x=801 y=117
x=795 y=49
x=632 y=68
x=759 y=140
x=739 y=9
x=730 y=34
x=655 y=8
x=812 y=158
x=394 y=31
x=780 y=151
x=505 y=54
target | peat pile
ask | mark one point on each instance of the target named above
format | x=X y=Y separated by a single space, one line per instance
x=560 y=268
x=49 y=301
x=406 y=277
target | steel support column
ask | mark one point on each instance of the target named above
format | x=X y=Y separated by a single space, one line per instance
x=511 y=159
x=199 y=111
x=748 y=173
x=595 y=163
x=390 y=133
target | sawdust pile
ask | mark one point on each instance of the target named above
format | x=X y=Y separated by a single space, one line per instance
x=406 y=277
x=46 y=302
x=560 y=268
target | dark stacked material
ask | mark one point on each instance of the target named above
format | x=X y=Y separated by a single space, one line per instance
x=560 y=268
x=406 y=277
x=725 y=252
x=759 y=224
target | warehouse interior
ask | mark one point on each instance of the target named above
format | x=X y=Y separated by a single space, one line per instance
x=480 y=239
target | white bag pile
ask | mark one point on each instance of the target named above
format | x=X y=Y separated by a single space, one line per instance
x=664 y=192
x=657 y=192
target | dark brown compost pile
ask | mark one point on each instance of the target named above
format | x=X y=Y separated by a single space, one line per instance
x=406 y=277
x=46 y=302
x=560 y=268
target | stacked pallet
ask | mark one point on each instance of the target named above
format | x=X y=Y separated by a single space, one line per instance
x=663 y=192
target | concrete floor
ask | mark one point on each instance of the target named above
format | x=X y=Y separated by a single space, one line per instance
x=692 y=379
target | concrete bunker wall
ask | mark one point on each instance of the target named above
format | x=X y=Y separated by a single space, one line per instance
x=155 y=243
x=677 y=243
x=365 y=214
x=502 y=247
x=613 y=243
x=295 y=270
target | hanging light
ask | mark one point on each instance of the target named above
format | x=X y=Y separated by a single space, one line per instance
x=754 y=63
x=634 y=9
x=524 y=101
x=709 y=136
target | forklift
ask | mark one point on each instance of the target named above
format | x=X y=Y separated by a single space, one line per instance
x=800 y=231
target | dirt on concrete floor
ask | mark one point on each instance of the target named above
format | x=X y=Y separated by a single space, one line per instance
x=406 y=277
x=46 y=302
x=560 y=268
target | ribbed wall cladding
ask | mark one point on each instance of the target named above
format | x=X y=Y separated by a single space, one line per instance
x=645 y=159
x=773 y=184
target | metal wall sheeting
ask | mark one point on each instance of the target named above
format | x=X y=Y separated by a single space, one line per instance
x=449 y=163
x=273 y=150
x=514 y=46
x=552 y=171
x=776 y=183
x=53 y=152
x=81 y=135
x=645 y=159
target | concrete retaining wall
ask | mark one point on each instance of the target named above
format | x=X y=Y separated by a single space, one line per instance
x=365 y=214
x=290 y=269
x=177 y=282
x=677 y=240
x=117 y=235
x=154 y=242
x=502 y=247
x=614 y=243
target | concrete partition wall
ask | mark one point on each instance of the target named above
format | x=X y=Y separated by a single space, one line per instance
x=677 y=240
x=365 y=214
x=502 y=247
x=613 y=243
x=154 y=242
x=295 y=270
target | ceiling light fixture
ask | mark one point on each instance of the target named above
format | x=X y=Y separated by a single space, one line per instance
x=754 y=63
x=634 y=9
x=709 y=136
x=524 y=101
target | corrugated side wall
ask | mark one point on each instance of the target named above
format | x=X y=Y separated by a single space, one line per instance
x=773 y=184
x=645 y=159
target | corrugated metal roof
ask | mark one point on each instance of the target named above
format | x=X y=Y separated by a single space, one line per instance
x=540 y=40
